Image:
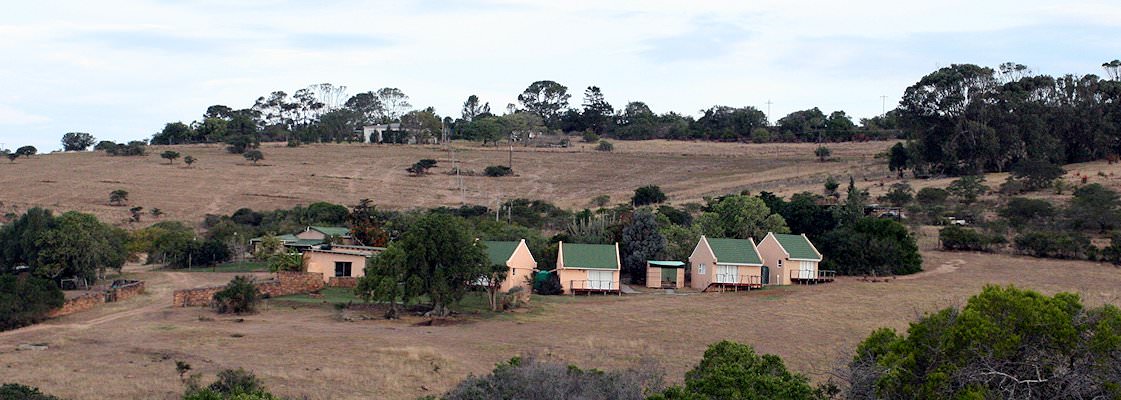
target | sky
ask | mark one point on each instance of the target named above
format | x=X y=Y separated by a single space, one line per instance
x=122 y=69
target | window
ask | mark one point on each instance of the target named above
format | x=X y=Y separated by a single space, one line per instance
x=701 y=269
x=780 y=263
x=342 y=268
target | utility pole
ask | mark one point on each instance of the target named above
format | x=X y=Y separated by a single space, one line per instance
x=511 y=162
x=883 y=105
x=769 y=111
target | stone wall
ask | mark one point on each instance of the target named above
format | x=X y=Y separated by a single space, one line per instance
x=342 y=281
x=285 y=283
x=123 y=290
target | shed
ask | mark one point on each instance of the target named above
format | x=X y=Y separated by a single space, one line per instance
x=665 y=274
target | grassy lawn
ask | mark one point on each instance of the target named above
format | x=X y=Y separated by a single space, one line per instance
x=331 y=295
x=474 y=303
x=243 y=266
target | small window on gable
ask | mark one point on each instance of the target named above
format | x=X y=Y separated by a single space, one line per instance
x=780 y=263
x=342 y=268
x=701 y=269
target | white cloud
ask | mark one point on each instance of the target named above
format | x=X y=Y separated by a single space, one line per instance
x=10 y=116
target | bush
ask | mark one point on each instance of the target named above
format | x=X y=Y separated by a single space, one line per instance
x=590 y=137
x=133 y=148
x=732 y=371
x=421 y=167
x=232 y=384
x=605 y=146
x=954 y=237
x=530 y=378
x=1005 y=343
x=1036 y=174
x=239 y=297
x=1053 y=245
x=650 y=194
x=26 y=300
x=1021 y=211
x=498 y=170
x=550 y=286
x=870 y=246
x=15 y=391
x=932 y=196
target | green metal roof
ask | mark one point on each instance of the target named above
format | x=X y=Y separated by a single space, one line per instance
x=734 y=251
x=304 y=242
x=797 y=246
x=667 y=264
x=332 y=230
x=499 y=252
x=287 y=237
x=590 y=256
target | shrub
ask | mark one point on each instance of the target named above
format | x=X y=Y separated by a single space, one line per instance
x=254 y=156
x=822 y=153
x=734 y=371
x=105 y=145
x=605 y=146
x=899 y=195
x=498 y=170
x=550 y=286
x=189 y=160
x=1005 y=343
x=650 y=194
x=1053 y=244
x=932 y=196
x=239 y=297
x=25 y=300
x=1036 y=174
x=232 y=384
x=590 y=137
x=954 y=237
x=15 y=391
x=870 y=246
x=421 y=167
x=530 y=378
x=77 y=141
x=133 y=148
x=1021 y=211
x=170 y=156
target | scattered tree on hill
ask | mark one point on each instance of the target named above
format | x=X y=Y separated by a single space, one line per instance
x=1022 y=211
x=239 y=144
x=170 y=156
x=546 y=99
x=1036 y=174
x=189 y=160
x=12 y=156
x=1095 y=207
x=498 y=171
x=133 y=148
x=898 y=159
x=956 y=238
x=831 y=185
x=641 y=242
x=733 y=371
x=135 y=213
x=105 y=145
x=77 y=141
x=240 y=296
x=1005 y=343
x=254 y=156
x=118 y=197
x=156 y=213
x=822 y=153
x=899 y=195
x=27 y=151
x=232 y=384
x=601 y=201
x=931 y=196
x=646 y=195
x=421 y=167
x=968 y=188
x=740 y=217
x=605 y=146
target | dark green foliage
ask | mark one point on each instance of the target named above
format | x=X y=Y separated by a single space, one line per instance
x=1005 y=343
x=441 y=259
x=1112 y=253
x=70 y=245
x=170 y=156
x=605 y=146
x=239 y=144
x=804 y=213
x=327 y=213
x=641 y=242
x=1071 y=245
x=733 y=371
x=239 y=297
x=1094 y=207
x=105 y=145
x=1036 y=174
x=77 y=141
x=675 y=216
x=932 y=196
x=968 y=188
x=822 y=153
x=15 y=391
x=232 y=384
x=531 y=378
x=421 y=167
x=386 y=280
x=650 y=194
x=899 y=195
x=954 y=237
x=25 y=300
x=1022 y=211
x=550 y=286
x=497 y=170
x=740 y=217
x=898 y=158
x=253 y=155
x=27 y=151
x=133 y=148
x=870 y=246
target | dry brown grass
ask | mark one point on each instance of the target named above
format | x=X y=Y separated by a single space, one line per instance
x=128 y=350
x=220 y=183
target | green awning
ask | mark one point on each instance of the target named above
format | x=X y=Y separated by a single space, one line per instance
x=666 y=264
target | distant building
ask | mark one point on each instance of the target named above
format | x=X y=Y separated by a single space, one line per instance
x=376 y=133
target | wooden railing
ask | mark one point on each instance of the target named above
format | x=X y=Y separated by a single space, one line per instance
x=738 y=279
x=591 y=284
x=818 y=275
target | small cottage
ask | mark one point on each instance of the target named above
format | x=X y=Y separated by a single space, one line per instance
x=792 y=259
x=341 y=265
x=516 y=257
x=718 y=263
x=588 y=268
x=665 y=274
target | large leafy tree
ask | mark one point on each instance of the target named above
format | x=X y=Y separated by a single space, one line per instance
x=546 y=99
x=641 y=242
x=740 y=217
x=1005 y=343
x=368 y=106
x=77 y=141
x=870 y=246
x=72 y=244
x=472 y=109
x=598 y=112
x=1095 y=207
x=387 y=279
x=729 y=123
x=441 y=254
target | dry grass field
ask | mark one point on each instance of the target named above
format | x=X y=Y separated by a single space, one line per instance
x=129 y=349
x=344 y=173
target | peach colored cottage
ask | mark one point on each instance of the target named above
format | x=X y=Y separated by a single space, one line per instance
x=340 y=261
x=665 y=274
x=792 y=259
x=718 y=263
x=588 y=268
x=516 y=257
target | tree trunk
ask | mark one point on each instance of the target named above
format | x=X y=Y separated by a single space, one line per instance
x=440 y=310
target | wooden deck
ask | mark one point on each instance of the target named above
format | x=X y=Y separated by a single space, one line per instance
x=735 y=283
x=590 y=287
x=800 y=278
x=589 y=292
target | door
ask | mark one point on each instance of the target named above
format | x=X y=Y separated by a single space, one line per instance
x=600 y=280
x=766 y=272
x=806 y=270
x=725 y=274
x=669 y=277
